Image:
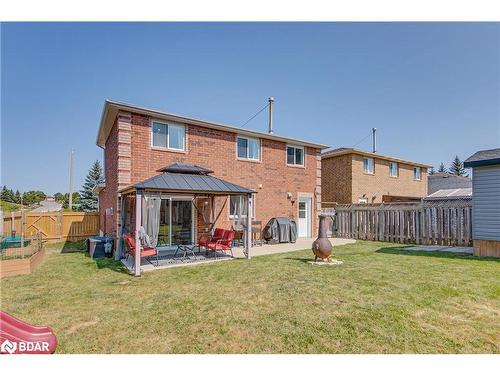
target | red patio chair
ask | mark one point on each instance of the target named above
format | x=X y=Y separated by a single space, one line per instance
x=218 y=235
x=223 y=244
x=146 y=251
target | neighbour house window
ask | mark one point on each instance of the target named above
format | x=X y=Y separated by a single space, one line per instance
x=168 y=135
x=417 y=173
x=368 y=165
x=294 y=155
x=393 y=169
x=248 y=148
x=238 y=206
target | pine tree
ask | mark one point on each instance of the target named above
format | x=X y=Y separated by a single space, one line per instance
x=457 y=167
x=431 y=171
x=442 y=168
x=88 y=199
x=17 y=197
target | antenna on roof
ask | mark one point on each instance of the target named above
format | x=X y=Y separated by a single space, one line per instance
x=271 y=101
x=374 y=138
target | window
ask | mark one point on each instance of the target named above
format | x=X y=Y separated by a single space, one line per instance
x=294 y=155
x=168 y=135
x=238 y=206
x=393 y=169
x=417 y=173
x=248 y=148
x=368 y=165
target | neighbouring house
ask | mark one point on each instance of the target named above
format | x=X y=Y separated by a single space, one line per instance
x=349 y=175
x=444 y=180
x=485 y=201
x=192 y=164
x=48 y=205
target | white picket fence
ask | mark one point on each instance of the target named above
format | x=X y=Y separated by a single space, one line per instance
x=428 y=223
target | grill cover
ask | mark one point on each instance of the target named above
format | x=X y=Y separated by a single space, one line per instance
x=280 y=229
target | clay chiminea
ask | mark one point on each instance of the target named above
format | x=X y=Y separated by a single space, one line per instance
x=322 y=247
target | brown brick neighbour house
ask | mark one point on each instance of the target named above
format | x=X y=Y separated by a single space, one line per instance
x=285 y=173
x=355 y=176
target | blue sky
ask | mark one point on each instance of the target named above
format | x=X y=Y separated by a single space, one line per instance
x=431 y=90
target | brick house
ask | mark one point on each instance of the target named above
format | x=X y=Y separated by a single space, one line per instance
x=350 y=175
x=285 y=173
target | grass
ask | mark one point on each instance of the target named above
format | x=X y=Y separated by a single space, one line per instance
x=9 y=207
x=381 y=300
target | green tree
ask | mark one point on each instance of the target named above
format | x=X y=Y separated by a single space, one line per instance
x=457 y=167
x=431 y=171
x=65 y=200
x=7 y=195
x=33 y=197
x=88 y=199
x=442 y=168
x=17 y=197
x=59 y=197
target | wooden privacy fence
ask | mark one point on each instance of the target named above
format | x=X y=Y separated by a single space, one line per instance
x=427 y=223
x=64 y=226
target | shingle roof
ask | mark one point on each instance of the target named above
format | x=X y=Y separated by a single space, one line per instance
x=188 y=182
x=483 y=157
x=443 y=180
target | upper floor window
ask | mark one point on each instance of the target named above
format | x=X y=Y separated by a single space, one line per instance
x=417 y=173
x=295 y=155
x=248 y=148
x=368 y=165
x=393 y=169
x=168 y=135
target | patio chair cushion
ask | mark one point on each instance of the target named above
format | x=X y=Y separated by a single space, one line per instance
x=226 y=243
x=146 y=251
x=218 y=235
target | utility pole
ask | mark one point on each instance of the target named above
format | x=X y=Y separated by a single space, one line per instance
x=271 y=101
x=70 y=187
x=374 y=139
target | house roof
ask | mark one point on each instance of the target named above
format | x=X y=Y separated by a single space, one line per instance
x=350 y=150
x=451 y=194
x=443 y=180
x=484 y=157
x=186 y=178
x=111 y=109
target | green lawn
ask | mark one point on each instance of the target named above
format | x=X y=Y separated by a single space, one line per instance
x=381 y=300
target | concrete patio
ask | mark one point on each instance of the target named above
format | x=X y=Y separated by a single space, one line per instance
x=168 y=259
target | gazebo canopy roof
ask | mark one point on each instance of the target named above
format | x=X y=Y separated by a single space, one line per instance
x=185 y=168
x=187 y=178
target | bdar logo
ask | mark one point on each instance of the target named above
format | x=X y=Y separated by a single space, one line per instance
x=8 y=347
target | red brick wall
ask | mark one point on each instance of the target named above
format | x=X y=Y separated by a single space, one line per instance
x=216 y=149
x=108 y=196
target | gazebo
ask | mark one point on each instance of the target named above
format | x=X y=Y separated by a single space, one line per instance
x=173 y=207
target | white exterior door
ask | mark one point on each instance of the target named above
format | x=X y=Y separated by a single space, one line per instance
x=304 y=223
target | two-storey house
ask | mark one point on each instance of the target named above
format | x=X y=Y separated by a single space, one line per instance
x=350 y=175
x=140 y=143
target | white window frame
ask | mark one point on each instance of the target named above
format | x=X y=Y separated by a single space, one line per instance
x=303 y=156
x=397 y=169
x=419 y=169
x=167 y=124
x=232 y=217
x=373 y=165
x=248 y=139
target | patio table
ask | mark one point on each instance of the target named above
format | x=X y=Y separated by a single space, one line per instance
x=185 y=249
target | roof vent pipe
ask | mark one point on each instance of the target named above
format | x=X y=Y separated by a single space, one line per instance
x=271 y=101
x=374 y=138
